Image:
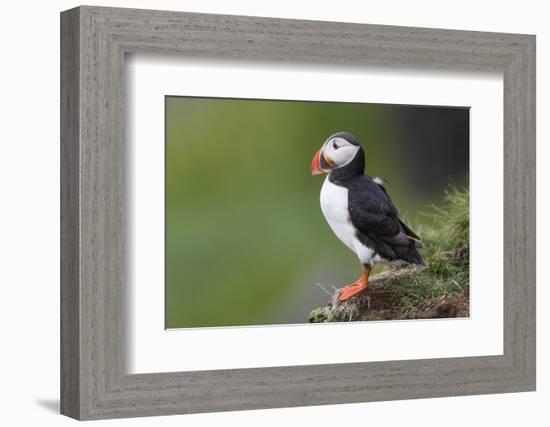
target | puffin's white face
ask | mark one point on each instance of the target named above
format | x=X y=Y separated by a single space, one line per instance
x=339 y=151
x=335 y=153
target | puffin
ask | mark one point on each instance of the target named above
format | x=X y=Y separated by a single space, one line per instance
x=360 y=212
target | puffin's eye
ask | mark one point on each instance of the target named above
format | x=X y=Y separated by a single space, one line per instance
x=335 y=146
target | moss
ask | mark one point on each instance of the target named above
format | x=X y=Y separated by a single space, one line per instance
x=439 y=290
x=318 y=315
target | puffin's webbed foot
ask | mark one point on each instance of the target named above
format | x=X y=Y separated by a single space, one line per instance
x=351 y=290
x=358 y=286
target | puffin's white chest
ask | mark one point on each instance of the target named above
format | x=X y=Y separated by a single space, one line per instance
x=334 y=205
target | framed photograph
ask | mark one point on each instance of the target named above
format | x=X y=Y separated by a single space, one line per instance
x=262 y=213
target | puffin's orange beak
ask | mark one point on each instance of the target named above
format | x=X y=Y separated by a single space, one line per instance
x=316 y=168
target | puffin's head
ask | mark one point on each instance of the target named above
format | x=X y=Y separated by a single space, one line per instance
x=338 y=151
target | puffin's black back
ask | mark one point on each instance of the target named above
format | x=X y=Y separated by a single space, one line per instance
x=377 y=222
x=372 y=212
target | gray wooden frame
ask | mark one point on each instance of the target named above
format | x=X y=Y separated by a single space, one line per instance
x=94 y=382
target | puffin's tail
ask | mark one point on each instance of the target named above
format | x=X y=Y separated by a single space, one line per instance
x=411 y=254
x=420 y=261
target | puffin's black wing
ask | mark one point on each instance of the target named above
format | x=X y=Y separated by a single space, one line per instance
x=406 y=228
x=377 y=222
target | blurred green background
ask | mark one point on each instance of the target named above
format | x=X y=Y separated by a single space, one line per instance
x=246 y=241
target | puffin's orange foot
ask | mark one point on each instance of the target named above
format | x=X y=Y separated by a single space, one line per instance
x=351 y=290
